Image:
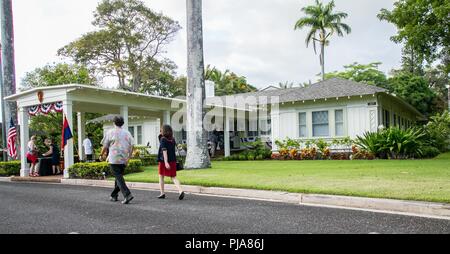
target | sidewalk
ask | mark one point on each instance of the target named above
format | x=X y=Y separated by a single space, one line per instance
x=413 y=208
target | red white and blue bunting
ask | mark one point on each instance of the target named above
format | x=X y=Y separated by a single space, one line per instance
x=46 y=108
x=34 y=110
x=58 y=107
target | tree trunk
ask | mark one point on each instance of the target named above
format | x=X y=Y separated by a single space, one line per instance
x=322 y=60
x=448 y=98
x=323 y=41
x=136 y=82
x=197 y=138
x=9 y=75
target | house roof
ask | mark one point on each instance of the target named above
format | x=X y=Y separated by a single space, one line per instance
x=87 y=87
x=328 y=89
x=269 y=88
x=331 y=88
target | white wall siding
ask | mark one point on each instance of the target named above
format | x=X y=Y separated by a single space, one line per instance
x=288 y=124
x=356 y=111
x=358 y=121
x=150 y=134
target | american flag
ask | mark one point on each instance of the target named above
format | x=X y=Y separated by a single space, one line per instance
x=12 y=135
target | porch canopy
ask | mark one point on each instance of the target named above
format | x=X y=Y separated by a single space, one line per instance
x=82 y=99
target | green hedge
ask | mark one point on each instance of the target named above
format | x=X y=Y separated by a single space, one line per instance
x=99 y=170
x=149 y=160
x=11 y=168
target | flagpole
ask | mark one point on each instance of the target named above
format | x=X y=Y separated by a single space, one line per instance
x=4 y=142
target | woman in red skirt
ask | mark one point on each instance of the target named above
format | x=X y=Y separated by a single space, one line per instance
x=167 y=161
x=32 y=156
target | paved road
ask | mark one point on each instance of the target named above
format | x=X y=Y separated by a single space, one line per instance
x=46 y=208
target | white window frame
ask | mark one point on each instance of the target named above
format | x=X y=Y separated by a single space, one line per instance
x=305 y=125
x=260 y=132
x=135 y=133
x=343 y=123
x=312 y=123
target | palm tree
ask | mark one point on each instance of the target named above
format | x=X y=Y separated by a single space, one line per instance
x=323 y=23
x=197 y=137
x=227 y=83
x=286 y=85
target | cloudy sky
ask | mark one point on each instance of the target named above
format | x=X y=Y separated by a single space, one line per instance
x=253 y=38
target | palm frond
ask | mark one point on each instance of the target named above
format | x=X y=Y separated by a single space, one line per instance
x=310 y=37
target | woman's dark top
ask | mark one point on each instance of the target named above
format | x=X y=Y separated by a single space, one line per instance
x=169 y=146
x=55 y=154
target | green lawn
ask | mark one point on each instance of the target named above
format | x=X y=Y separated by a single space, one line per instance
x=425 y=180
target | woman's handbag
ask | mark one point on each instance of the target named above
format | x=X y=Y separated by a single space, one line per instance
x=180 y=165
x=180 y=162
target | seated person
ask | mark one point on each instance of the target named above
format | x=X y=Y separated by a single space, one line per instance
x=53 y=152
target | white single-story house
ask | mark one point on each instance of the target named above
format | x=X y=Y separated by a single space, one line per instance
x=335 y=108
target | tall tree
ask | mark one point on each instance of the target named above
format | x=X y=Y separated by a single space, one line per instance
x=415 y=90
x=228 y=83
x=130 y=40
x=197 y=137
x=365 y=73
x=58 y=74
x=161 y=80
x=324 y=22
x=9 y=109
x=423 y=27
x=412 y=61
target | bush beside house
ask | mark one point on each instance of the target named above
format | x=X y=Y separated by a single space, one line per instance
x=10 y=168
x=256 y=151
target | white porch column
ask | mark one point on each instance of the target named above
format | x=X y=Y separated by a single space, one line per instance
x=68 y=150
x=24 y=137
x=227 y=135
x=81 y=133
x=166 y=117
x=124 y=114
x=275 y=116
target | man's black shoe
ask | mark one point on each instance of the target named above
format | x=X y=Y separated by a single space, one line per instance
x=114 y=199
x=127 y=200
x=163 y=196
x=181 y=196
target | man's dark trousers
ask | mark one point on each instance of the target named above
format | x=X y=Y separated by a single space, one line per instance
x=120 y=184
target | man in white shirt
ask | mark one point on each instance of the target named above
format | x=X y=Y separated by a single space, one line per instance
x=88 y=148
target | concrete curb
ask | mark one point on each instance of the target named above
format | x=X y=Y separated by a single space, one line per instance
x=416 y=208
x=35 y=179
x=5 y=179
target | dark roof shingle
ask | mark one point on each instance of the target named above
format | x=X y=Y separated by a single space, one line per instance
x=331 y=88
